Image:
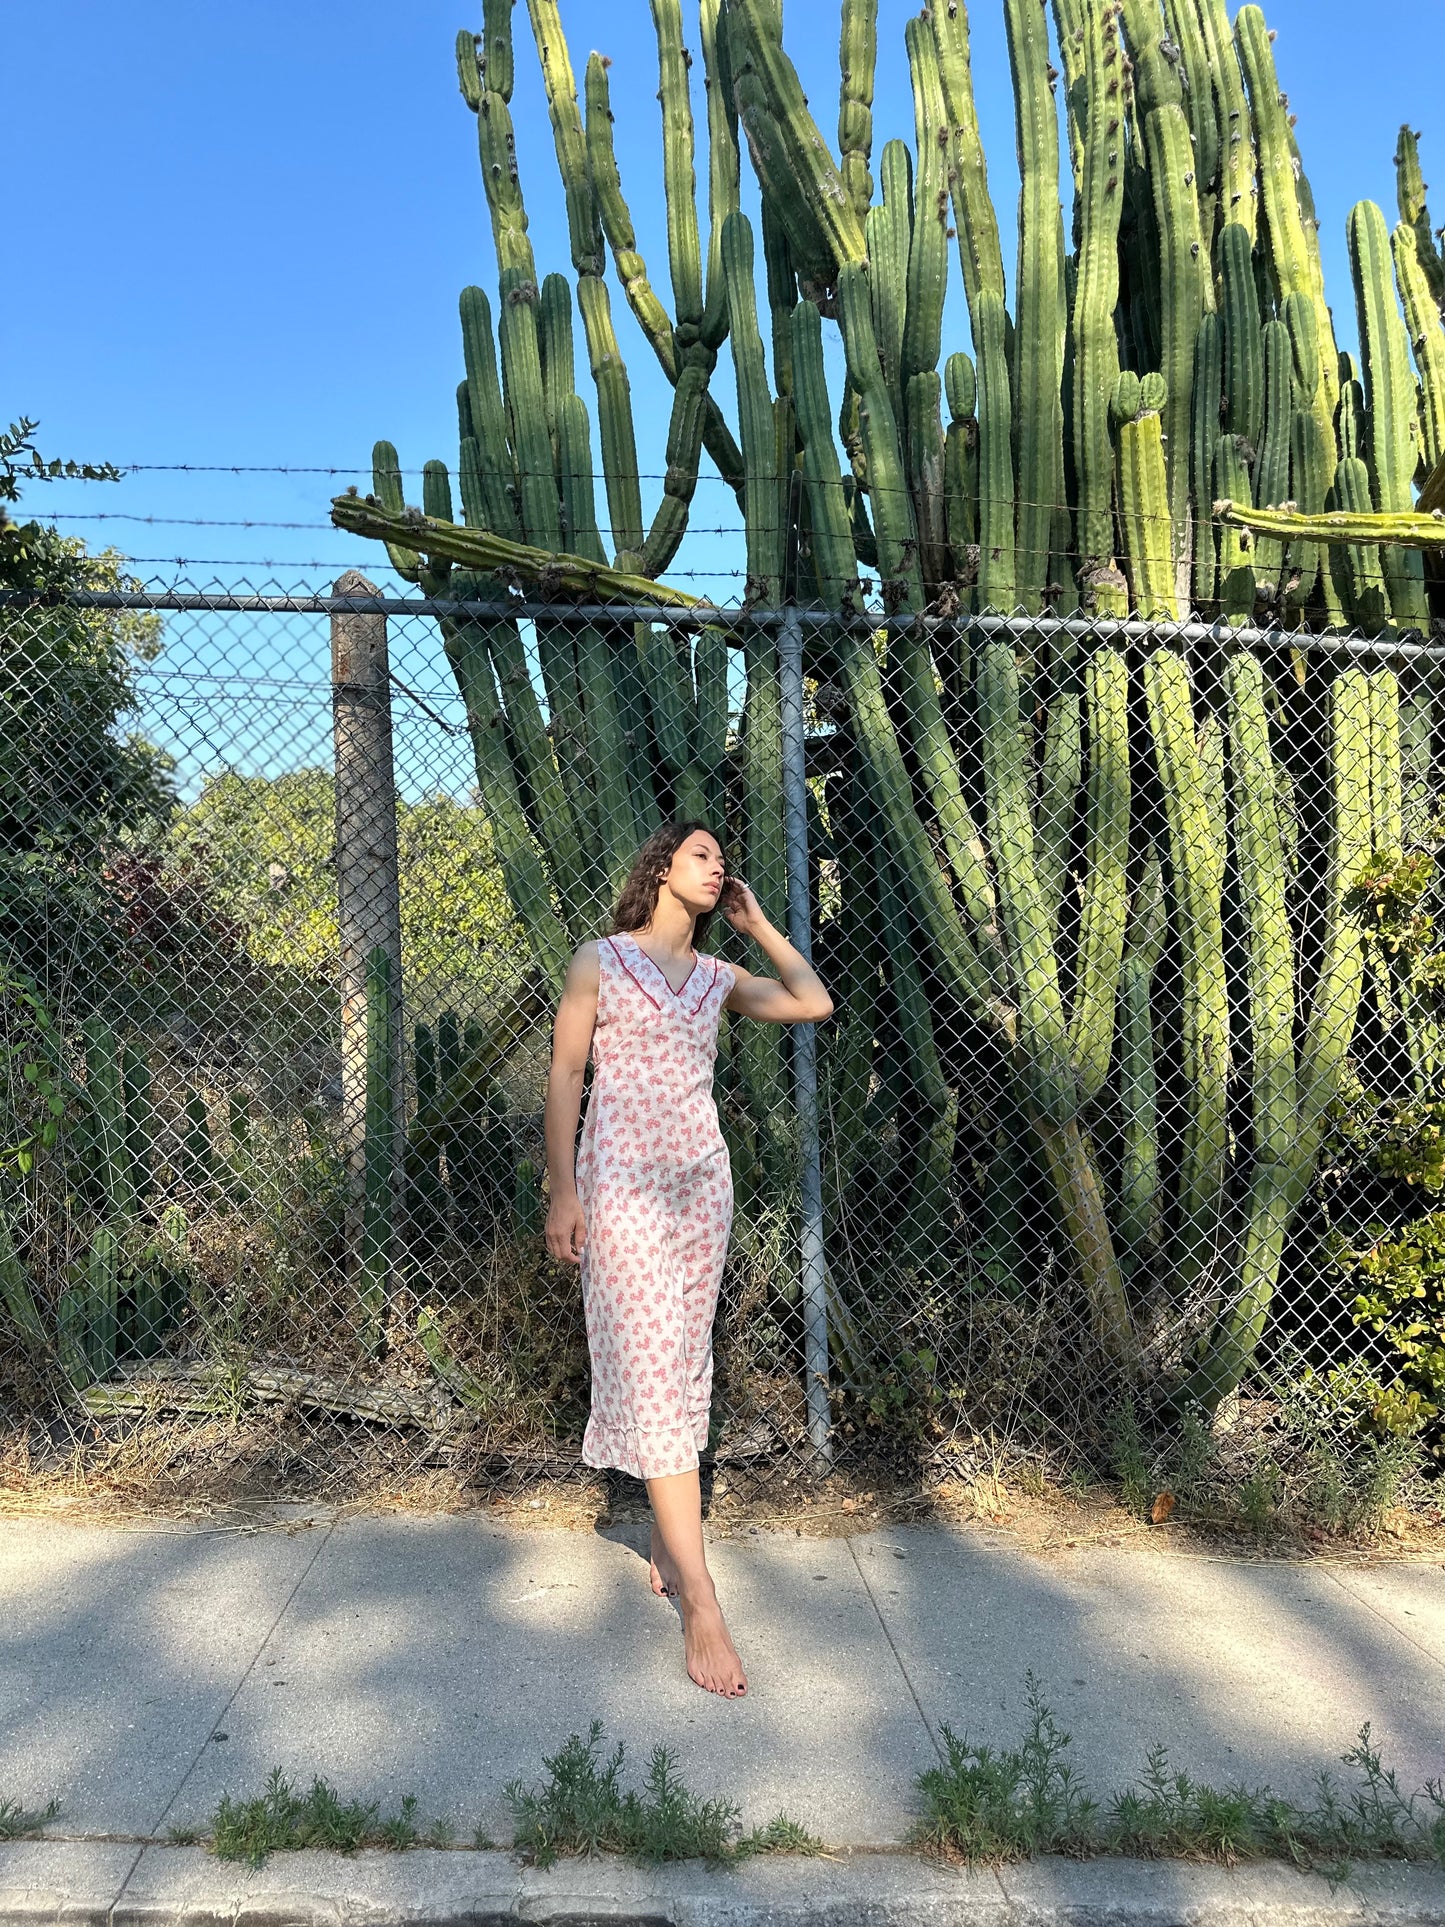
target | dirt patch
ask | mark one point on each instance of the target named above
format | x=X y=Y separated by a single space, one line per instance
x=255 y=1484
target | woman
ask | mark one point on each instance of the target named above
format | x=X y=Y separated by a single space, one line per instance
x=647 y=1212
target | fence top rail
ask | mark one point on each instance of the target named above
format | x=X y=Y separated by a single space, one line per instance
x=1411 y=644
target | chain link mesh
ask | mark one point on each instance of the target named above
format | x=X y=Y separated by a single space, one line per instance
x=1130 y=1108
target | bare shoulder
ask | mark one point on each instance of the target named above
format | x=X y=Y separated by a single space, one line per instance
x=584 y=970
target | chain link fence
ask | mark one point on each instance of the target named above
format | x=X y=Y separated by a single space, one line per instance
x=1128 y=1124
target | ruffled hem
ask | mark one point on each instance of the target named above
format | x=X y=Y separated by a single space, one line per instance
x=644 y=1455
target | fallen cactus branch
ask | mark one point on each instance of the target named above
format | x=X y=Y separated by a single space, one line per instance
x=1287 y=524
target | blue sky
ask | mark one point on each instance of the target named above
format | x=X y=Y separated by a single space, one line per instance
x=236 y=235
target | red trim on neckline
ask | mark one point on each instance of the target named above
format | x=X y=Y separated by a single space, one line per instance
x=708 y=991
x=696 y=960
x=633 y=974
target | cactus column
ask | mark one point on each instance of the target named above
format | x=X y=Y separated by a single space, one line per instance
x=1037 y=369
x=1096 y=295
x=1392 y=450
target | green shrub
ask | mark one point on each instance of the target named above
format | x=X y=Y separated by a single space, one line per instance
x=1399 y=1299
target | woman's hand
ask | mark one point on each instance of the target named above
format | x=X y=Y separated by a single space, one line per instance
x=741 y=908
x=566 y=1230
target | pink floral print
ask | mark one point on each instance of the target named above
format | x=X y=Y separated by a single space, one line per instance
x=657 y=1199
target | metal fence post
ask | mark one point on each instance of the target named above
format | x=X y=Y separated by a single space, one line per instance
x=812 y=1263
x=369 y=921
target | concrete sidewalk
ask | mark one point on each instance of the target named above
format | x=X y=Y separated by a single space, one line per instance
x=144 y=1671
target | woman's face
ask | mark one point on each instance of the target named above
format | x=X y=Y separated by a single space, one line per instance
x=696 y=875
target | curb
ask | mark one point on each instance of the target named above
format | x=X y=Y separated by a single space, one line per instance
x=100 y=1883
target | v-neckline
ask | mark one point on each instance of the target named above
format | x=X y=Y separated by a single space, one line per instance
x=680 y=988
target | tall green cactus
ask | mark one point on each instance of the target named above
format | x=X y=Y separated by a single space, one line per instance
x=857 y=56
x=1138 y=1198
x=1208 y=409
x=1294 y=254
x=999 y=788
x=890 y=242
x=1185 y=290
x=1144 y=496
x=981 y=259
x=1036 y=375
x=1096 y=295
x=1195 y=882
x=1236 y=569
x=1427 y=338
x=1410 y=194
x=1283 y=1176
x=1392 y=451
x=1238 y=184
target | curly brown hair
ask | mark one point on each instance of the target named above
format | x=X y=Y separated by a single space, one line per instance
x=638 y=897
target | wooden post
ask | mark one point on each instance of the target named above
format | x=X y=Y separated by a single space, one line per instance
x=369 y=920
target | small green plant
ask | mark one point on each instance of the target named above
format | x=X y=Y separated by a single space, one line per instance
x=35 y=1053
x=993 y=1806
x=281 y=1820
x=1170 y=1814
x=16 y=1819
x=1129 y=1457
x=583 y=1808
x=984 y=1804
x=1260 y=1496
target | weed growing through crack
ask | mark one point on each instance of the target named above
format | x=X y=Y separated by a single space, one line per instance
x=16 y=1819
x=281 y=1820
x=986 y=1804
x=583 y=1808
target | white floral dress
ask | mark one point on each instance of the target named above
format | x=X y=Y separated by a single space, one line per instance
x=657 y=1198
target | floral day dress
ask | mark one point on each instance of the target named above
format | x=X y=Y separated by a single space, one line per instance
x=657 y=1197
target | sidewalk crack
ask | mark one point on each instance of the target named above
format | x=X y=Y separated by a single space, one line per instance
x=893 y=1648
x=1386 y=1620
x=114 y=1907
x=281 y=1612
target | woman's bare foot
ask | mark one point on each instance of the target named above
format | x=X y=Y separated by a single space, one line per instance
x=662 y=1573
x=712 y=1659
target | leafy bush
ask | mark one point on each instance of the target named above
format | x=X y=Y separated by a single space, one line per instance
x=1399 y=1281
x=73 y=781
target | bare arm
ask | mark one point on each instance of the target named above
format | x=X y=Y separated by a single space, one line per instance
x=571 y=1041
x=799 y=998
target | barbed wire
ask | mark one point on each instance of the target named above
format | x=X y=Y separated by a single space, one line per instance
x=278 y=468
x=350 y=562
x=693 y=528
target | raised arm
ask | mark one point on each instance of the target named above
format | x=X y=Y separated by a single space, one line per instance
x=571 y=1041
x=800 y=997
